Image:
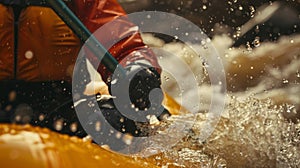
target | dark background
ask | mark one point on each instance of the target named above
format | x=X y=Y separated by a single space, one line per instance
x=210 y=14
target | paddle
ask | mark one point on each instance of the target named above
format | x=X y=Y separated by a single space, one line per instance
x=62 y=10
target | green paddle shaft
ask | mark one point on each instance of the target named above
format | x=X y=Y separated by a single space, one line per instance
x=62 y=10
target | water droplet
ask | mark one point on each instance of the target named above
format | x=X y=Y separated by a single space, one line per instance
x=298 y=74
x=132 y=106
x=256 y=42
x=98 y=126
x=285 y=81
x=166 y=78
x=12 y=96
x=18 y=118
x=58 y=125
x=41 y=117
x=118 y=135
x=73 y=127
x=205 y=64
x=28 y=54
x=105 y=147
x=127 y=139
x=87 y=138
x=291 y=109
x=248 y=46
x=91 y=104
x=252 y=11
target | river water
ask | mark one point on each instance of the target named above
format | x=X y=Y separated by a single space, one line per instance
x=258 y=127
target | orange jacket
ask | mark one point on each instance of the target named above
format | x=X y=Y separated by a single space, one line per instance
x=47 y=48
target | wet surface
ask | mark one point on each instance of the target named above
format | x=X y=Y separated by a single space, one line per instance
x=260 y=125
x=27 y=146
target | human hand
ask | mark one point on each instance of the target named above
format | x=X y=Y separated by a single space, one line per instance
x=143 y=86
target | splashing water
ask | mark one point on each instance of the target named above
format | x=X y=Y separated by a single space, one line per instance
x=255 y=131
x=255 y=135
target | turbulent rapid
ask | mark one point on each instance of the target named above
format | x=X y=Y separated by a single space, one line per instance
x=260 y=125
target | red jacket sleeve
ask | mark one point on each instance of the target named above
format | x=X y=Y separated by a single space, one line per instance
x=122 y=33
